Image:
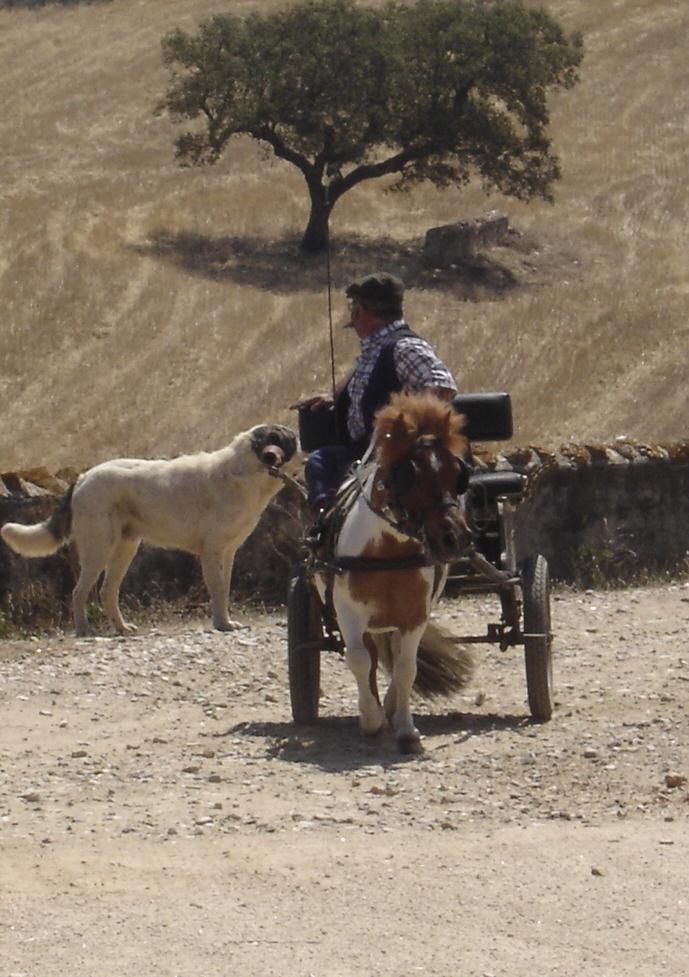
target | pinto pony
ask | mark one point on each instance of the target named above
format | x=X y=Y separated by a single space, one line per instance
x=403 y=528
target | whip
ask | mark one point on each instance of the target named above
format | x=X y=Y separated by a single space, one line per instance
x=330 y=306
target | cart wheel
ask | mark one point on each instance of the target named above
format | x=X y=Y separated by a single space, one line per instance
x=304 y=641
x=538 y=640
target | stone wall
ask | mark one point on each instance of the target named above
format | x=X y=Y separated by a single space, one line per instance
x=607 y=509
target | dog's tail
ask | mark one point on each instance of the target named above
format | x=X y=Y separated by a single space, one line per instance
x=44 y=538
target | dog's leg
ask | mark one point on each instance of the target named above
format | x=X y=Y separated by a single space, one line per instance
x=121 y=555
x=216 y=566
x=91 y=565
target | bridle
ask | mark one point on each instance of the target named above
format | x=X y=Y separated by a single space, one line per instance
x=398 y=482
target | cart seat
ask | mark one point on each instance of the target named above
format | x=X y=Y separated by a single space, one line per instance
x=487 y=417
x=486 y=487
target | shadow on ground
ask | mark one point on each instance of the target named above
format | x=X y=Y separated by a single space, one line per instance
x=280 y=266
x=39 y=4
x=335 y=743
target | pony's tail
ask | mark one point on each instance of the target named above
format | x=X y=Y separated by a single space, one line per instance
x=46 y=537
x=442 y=666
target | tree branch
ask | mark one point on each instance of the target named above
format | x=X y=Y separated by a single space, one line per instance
x=283 y=151
x=368 y=171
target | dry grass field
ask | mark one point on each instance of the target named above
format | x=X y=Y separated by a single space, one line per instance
x=151 y=310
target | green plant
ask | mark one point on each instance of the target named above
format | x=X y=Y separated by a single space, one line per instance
x=608 y=564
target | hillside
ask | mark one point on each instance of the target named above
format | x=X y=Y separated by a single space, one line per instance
x=153 y=310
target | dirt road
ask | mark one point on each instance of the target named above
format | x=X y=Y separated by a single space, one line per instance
x=160 y=814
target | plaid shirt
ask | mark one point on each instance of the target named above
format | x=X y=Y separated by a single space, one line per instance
x=416 y=364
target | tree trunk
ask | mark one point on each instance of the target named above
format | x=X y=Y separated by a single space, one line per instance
x=315 y=239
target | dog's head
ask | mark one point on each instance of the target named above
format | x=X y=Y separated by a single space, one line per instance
x=273 y=444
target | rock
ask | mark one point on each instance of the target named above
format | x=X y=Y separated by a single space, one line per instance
x=452 y=244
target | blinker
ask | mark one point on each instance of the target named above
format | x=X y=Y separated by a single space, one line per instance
x=401 y=477
x=465 y=472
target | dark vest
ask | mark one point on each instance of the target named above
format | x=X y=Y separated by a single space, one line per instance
x=381 y=384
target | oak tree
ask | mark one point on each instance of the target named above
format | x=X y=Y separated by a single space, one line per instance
x=437 y=90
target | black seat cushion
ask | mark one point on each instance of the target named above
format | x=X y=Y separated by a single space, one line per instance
x=485 y=487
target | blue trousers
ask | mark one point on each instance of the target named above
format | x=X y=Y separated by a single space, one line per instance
x=325 y=470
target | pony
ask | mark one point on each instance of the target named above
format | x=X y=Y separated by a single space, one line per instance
x=406 y=523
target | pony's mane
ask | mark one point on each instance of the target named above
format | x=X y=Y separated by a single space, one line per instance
x=409 y=416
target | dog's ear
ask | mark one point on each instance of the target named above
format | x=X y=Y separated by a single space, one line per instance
x=288 y=440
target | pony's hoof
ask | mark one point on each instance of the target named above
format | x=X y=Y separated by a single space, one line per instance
x=408 y=745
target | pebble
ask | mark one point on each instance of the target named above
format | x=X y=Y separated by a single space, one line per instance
x=138 y=712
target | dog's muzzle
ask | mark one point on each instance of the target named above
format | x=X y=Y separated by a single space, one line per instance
x=272 y=456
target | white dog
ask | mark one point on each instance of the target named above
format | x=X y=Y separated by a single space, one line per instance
x=206 y=504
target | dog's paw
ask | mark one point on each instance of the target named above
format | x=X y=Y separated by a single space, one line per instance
x=127 y=628
x=229 y=625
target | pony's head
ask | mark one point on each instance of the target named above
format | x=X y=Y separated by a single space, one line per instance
x=422 y=458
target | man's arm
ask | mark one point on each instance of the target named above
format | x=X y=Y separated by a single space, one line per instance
x=419 y=368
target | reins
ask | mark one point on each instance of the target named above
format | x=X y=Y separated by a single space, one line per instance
x=387 y=514
x=288 y=480
x=398 y=522
x=362 y=474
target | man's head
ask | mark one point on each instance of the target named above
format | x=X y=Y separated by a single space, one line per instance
x=374 y=300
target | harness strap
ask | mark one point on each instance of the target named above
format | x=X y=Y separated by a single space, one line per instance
x=372 y=564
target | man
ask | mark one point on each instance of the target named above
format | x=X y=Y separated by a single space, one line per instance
x=392 y=358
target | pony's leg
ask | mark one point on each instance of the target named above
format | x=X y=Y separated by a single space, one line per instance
x=121 y=555
x=362 y=658
x=390 y=703
x=398 y=698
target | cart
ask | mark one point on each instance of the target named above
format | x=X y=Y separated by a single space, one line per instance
x=522 y=586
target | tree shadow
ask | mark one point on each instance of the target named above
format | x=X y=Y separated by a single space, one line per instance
x=39 y=4
x=335 y=745
x=279 y=265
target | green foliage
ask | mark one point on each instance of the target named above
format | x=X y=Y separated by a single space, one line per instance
x=31 y=608
x=6 y=628
x=436 y=90
x=609 y=563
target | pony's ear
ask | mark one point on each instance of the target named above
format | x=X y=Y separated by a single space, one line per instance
x=395 y=427
x=400 y=425
x=458 y=422
x=392 y=436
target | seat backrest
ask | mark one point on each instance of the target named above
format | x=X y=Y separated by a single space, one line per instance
x=488 y=415
x=489 y=418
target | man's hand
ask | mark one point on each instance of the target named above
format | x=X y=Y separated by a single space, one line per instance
x=316 y=402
